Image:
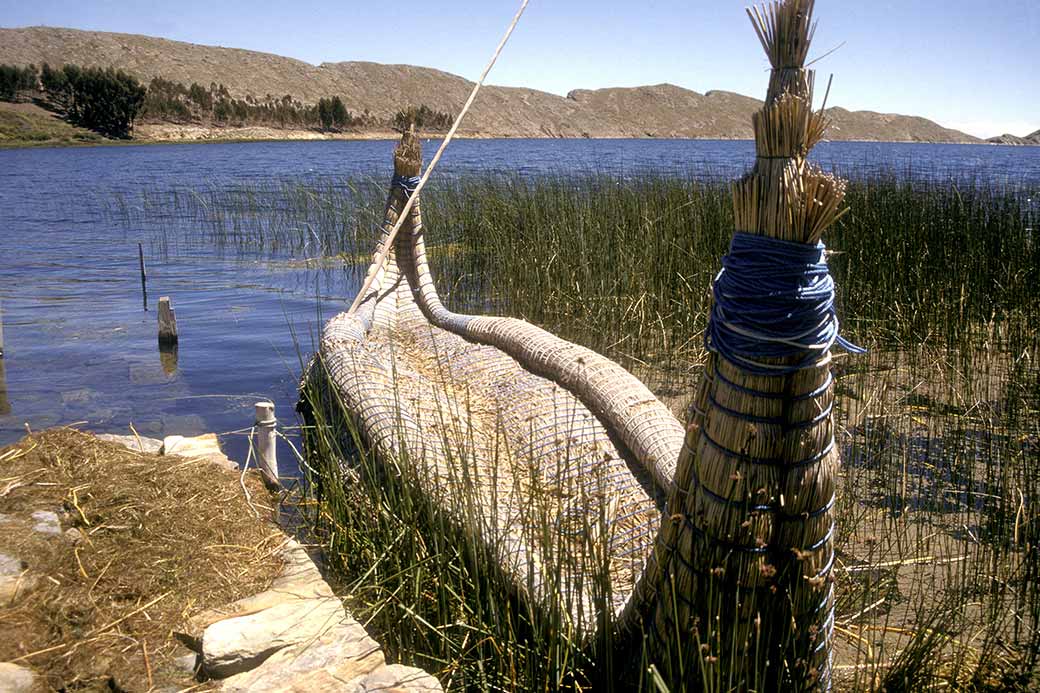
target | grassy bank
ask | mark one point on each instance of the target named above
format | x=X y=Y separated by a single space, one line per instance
x=26 y=125
x=937 y=544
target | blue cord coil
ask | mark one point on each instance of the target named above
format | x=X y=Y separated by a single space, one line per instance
x=774 y=299
x=406 y=183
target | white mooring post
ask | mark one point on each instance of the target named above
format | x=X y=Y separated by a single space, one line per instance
x=266 y=453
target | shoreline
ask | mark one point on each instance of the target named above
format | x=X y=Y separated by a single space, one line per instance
x=393 y=137
x=169 y=133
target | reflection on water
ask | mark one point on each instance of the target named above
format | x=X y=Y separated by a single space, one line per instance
x=168 y=358
x=5 y=405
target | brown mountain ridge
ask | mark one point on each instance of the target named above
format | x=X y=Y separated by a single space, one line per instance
x=1032 y=139
x=662 y=110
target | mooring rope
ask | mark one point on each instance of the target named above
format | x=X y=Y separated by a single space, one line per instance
x=381 y=256
x=774 y=299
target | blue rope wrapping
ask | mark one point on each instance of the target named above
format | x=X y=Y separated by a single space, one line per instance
x=406 y=183
x=774 y=299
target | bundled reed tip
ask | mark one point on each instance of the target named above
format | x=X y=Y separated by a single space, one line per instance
x=408 y=155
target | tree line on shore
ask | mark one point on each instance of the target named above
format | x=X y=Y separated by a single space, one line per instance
x=171 y=101
x=104 y=100
x=109 y=101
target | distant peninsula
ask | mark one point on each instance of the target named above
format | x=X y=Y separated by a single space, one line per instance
x=1027 y=141
x=376 y=94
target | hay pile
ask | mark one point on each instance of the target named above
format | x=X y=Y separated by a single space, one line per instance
x=146 y=542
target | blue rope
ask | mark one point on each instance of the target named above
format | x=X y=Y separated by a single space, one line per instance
x=774 y=299
x=406 y=183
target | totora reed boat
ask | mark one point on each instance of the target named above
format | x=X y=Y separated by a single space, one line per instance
x=700 y=539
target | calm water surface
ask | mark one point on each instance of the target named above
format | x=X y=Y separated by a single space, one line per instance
x=81 y=348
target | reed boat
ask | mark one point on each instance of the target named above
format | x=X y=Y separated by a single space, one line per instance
x=545 y=450
x=703 y=538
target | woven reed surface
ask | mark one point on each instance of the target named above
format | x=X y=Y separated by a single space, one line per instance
x=567 y=499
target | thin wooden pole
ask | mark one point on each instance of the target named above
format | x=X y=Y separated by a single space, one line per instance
x=144 y=277
x=1 y=330
x=4 y=403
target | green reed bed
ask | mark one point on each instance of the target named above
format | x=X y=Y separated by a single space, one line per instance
x=939 y=424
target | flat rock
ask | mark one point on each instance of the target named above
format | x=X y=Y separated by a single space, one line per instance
x=299 y=580
x=238 y=644
x=342 y=654
x=300 y=576
x=80 y=396
x=151 y=446
x=16 y=679
x=14 y=580
x=187 y=664
x=11 y=566
x=205 y=446
x=396 y=678
x=46 y=522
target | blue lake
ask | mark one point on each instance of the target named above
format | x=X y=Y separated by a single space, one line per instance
x=81 y=348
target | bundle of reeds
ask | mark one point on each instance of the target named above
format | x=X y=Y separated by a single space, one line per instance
x=741 y=593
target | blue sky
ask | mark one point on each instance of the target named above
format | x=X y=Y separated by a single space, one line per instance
x=969 y=64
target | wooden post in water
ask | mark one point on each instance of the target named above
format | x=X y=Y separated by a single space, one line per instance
x=5 y=404
x=167 y=322
x=144 y=278
x=266 y=450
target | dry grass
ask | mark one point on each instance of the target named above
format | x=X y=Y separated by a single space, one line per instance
x=159 y=539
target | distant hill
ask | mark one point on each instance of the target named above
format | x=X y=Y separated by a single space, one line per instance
x=662 y=110
x=1029 y=140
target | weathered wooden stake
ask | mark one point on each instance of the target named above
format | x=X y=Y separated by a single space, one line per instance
x=5 y=405
x=266 y=450
x=167 y=322
x=144 y=278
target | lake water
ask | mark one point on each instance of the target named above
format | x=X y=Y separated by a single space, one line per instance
x=81 y=348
